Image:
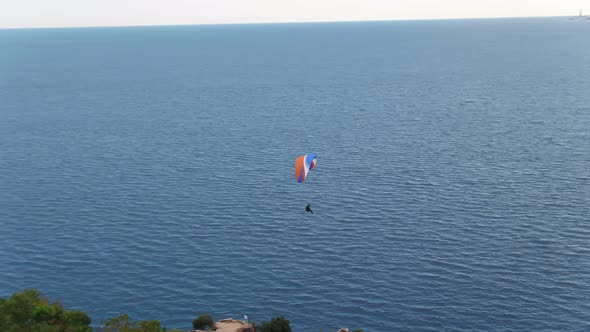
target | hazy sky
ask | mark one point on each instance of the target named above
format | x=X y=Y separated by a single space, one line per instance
x=59 y=13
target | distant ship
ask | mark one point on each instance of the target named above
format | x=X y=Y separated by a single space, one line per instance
x=580 y=16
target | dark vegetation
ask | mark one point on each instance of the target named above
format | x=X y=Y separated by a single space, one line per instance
x=277 y=324
x=30 y=311
x=203 y=322
x=124 y=324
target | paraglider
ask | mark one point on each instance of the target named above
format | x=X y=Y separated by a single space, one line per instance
x=304 y=164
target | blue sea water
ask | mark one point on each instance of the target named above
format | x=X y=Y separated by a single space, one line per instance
x=150 y=171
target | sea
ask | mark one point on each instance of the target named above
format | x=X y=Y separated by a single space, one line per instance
x=150 y=171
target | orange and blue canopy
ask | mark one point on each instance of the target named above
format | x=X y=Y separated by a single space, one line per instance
x=303 y=165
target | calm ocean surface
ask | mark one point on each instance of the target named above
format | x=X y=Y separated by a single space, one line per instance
x=151 y=171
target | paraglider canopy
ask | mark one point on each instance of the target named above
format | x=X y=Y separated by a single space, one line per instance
x=303 y=165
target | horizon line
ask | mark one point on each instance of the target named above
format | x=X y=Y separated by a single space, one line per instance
x=278 y=22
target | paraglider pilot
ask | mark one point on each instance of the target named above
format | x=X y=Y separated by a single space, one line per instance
x=308 y=208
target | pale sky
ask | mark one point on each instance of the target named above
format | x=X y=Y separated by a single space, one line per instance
x=70 y=13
